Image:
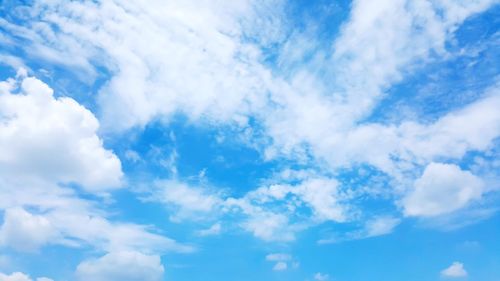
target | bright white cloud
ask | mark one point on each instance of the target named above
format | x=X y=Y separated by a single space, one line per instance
x=24 y=231
x=455 y=270
x=52 y=139
x=442 y=188
x=46 y=141
x=123 y=266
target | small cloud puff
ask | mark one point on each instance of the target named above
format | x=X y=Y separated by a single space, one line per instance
x=455 y=270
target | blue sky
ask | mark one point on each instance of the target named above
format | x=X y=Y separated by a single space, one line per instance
x=249 y=140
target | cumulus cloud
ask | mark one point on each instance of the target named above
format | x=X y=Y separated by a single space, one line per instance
x=46 y=142
x=52 y=139
x=126 y=266
x=442 y=188
x=24 y=231
x=455 y=270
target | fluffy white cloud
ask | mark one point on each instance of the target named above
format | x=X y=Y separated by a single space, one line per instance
x=455 y=270
x=442 y=188
x=321 y=194
x=19 y=276
x=45 y=142
x=53 y=139
x=24 y=231
x=121 y=266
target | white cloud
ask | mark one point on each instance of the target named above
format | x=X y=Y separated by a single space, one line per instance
x=269 y=226
x=191 y=52
x=16 y=276
x=46 y=141
x=373 y=227
x=321 y=276
x=380 y=43
x=24 y=231
x=280 y=266
x=190 y=201
x=70 y=221
x=215 y=229
x=121 y=266
x=281 y=260
x=276 y=212
x=52 y=139
x=192 y=60
x=19 y=276
x=381 y=226
x=442 y=188
x=324 y=198
x=455 y=270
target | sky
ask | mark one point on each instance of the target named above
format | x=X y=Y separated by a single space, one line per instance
x=208 y=140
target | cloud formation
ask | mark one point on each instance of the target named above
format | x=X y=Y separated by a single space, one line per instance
x=126 y=266
x=455 y=270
